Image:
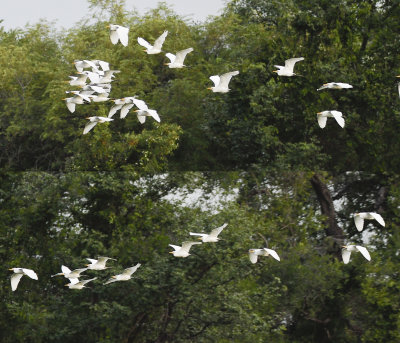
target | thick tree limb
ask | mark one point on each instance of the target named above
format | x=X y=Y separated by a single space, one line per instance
x=327 y=209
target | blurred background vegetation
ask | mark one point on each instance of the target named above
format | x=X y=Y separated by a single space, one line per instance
x=254 y=158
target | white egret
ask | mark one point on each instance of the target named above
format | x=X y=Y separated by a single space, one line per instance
x=79 y=284
x=93 y=122
x=124 y=276
x=119 y=33
x=182 y=251
x=80 y=65
x=287 y=70
x=79 y=80
x=221 y=82
x=212 y=236
x=77 y=99
x=99 y=264
x=143 y=111
x=108 y=76
x=18 y=274
x=102 y=64
x=323 y=116
x=156 y=48
x=101 y=97
x=360 y=217
x=348 y=249
x=123 y=104
x=177 y=60
x=254 y=253
x=335 y=85
x=72 y=275
x=97 y=88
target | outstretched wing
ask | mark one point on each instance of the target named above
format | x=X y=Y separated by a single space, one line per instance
x=181 y=55
x=170 y=56
x=364 y=252
x=226 y=78
x=131 y=270
x=114 y=110
x=65 y=270
x=154 y=114
x=359 y=222
x=216 y=79
x=111 y=280
x=187 y=245
x=253 y=257
x=175 y=247
x=346 y=255
x=30 y=273
x=160 y=41
x=142 y=119
x=104 y=65
x=338 y=116
x=84 y=282
x=378 y=218
x=89 y=126
x=114 y=36
x=70 y=106
x=123 y=35
x=15 y=280
x=322 y=121
x=140 y=104
x=144 y=43
x=217 y=231
x=289 y=64
x=197 y=234
x=272 y=253
x=91 y=260
x=124 y=110
x=73 y=281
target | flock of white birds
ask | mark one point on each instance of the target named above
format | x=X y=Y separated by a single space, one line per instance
x=98 y=89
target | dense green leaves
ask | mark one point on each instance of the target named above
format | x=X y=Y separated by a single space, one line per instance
x=256 y=156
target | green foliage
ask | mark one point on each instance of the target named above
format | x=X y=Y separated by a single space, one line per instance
x=127 y=190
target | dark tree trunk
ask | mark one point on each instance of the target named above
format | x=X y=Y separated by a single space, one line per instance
x=332 y=230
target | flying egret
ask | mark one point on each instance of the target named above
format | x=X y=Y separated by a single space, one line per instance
x=101 y=97
x=108 y=76
x=73 y=275
x=80 y=284
x=80 y=65
x=143 y=111
x=360 y=217
x=118 y=32
x=177 y=60
x=156 y=48
x=182 y=251
x=93 y=122
x=79 y=80
x=97 y=88
x=77 y=99
x=212 y=236
x=323 y=116
x=18 y=274
x=254 y=253
x=221 y=82
x=123 y=104
x=99 y=264
x=124 y=276
x=348 y=249
x=287 y=70
x=335 y=85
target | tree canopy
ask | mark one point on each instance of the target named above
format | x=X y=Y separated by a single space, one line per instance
x=254 y=158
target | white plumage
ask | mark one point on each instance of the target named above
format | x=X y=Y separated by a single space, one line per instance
x=221 y=82
x=156 y=48
x=212 y=236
